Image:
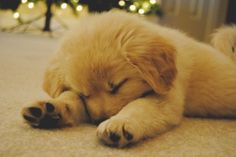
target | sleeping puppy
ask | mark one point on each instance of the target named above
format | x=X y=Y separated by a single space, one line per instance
x=135 y=77
x=224 y=39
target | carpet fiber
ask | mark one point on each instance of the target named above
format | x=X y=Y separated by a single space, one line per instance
x=22 y=62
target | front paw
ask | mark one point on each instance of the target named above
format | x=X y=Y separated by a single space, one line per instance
x=118 y=132
x=42 y=115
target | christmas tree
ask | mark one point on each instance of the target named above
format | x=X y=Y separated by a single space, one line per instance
x=142 y=7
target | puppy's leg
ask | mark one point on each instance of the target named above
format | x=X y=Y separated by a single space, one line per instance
x=144 y=117
x=65 y=110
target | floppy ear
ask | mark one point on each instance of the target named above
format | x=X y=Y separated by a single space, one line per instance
x=54 y=83
x=155 y=60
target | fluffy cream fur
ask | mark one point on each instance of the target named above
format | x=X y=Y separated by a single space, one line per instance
x=224 y=39
x=108 y=67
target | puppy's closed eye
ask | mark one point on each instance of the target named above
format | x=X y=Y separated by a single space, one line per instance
x=81 y=95
x=115 y=87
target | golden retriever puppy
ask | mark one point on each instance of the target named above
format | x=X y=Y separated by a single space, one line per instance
x=136 y=77
x=224 y=39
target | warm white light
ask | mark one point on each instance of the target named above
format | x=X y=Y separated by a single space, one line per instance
x=137 y=4
x=24 y=1
x=153 y=1
x=146 y=5
x=16 y=15
x=79 y=8
x=132 y=7
x=141 y=11
x=64 y=5
x=122 y=3
x=30 y=5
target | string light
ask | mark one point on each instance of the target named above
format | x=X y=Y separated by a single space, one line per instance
x=79 y=8
x=16 y=15
x=24 y=1
x=141 y=11
x=132 y=7
x=30 y=5
x=122 y=3
x=153 y=1
x=146 y=5
x=137 y=4
x=141 y=7
x=64 y=5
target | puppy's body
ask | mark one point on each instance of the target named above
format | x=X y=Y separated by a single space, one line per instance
x=114 y=61
x=207 y=77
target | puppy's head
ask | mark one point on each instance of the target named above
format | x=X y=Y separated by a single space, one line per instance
x=115 y=58
x=224 y=39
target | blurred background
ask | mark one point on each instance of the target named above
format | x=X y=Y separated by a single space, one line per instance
x=198 y=18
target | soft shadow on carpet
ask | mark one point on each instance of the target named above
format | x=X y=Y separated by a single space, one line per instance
x=22 y=62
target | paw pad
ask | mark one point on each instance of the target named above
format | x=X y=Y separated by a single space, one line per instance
x=114 y=137
x=118 y=133
x=49 y=107
x=35 y=111
x=49 y=121
x=30 y=119
x=42 y=116
x=127 y=135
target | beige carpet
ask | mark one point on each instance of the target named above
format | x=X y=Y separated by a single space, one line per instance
x=22 y=60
